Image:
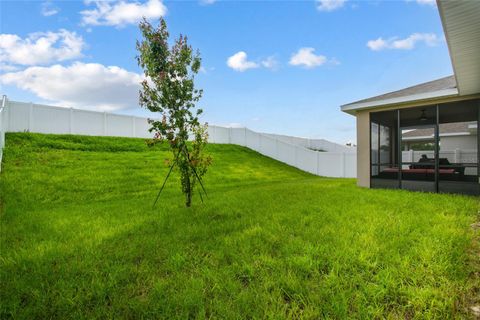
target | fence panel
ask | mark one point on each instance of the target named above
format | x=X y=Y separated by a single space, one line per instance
x=141 y=128
x=87 y=123
x=453 y=156
x=286 y=153
x=3 y=126
x=238 y=136
x=19 y=115
x=294 y=151
x=44 y=119
x=467 y=156
x=330 y=164
x=316 y=144
x=268 y=146
x=350 y=165
x=306 y=159
x=119 y=125
x=322 y=145
x=253 y=140
x=2 y=129
x=222 y=135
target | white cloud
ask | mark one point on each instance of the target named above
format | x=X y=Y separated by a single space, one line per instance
x=432 y=3
x=334 y=62
x=270 y=63
x=306 y=57
x=121 y=13
x=207 y=2
x=48 y=9
x=84 y=85
x=239 y=62
x=7 y=67
x=40 y=47
x=377 y=44
x=330 y=5
x=430 y=39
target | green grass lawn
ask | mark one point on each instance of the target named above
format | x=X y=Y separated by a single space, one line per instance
x=79 y=239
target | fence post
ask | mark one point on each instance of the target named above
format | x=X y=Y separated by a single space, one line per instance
x=457 y=156
x=6 y=116
x=276 y=149
x=104 y=123
x=343 y=164
x=318 y=163
x=296 y=156
x=71 y=121
x=245 y=141
x=30 y=117
x=133 y=127
x=9 y=121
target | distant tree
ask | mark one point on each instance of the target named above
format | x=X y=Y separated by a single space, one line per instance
x=169 y=90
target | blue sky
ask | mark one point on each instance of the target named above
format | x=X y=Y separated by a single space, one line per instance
x=292 y=63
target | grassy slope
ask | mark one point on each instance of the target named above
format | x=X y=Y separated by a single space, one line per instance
x=79 y=239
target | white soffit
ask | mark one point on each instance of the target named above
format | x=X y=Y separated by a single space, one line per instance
x=461 y=24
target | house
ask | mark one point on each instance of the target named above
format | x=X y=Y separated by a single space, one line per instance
x=425 y=137
x=453 y=136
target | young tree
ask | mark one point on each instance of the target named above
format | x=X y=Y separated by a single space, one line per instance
x=169 y=90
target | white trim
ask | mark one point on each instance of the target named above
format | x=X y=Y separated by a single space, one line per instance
x=454 y=134
x=418 y=138
x=398 y=100
x=472 y=126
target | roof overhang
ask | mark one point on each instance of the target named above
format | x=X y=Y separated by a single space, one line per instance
x=353 y=107
x=461 y=25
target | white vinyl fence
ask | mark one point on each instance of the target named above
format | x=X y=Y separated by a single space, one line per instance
x=49 y=119
x=3 y=123
x=329 y=164
x=337 y=161
x=313 y=144
x=453 y=156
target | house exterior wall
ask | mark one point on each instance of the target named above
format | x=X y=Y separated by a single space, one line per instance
x=458 y=142
x=363 y=149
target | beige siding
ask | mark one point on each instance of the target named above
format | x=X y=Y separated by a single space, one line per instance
x=363 y=149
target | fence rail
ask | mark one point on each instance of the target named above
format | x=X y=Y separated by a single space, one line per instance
x=337 y=161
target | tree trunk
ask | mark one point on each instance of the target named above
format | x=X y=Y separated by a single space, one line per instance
x=188 y=195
